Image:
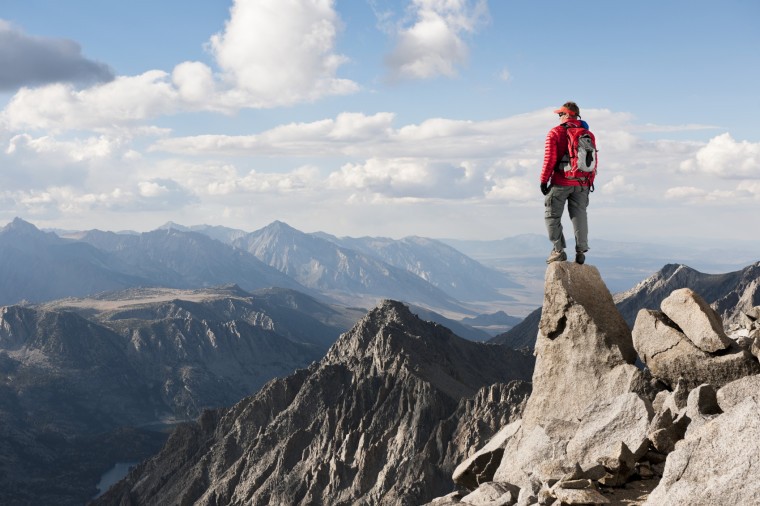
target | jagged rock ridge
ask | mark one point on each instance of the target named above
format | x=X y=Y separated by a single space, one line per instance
x=377 y=421
x=729 y=294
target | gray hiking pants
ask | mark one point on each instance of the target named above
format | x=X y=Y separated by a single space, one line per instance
x=577 y=201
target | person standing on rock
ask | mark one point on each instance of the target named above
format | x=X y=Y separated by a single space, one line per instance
x=558 y=189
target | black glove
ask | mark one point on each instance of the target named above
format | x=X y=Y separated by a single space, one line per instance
x=544 y=188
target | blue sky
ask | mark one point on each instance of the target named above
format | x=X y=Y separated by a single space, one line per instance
x=371 y=117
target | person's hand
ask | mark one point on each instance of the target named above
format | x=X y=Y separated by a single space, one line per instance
x=544 y=188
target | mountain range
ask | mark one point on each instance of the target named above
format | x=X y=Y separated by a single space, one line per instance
x=39 y=266
x=87 y=382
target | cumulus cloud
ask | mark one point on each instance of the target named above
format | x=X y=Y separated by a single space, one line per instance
x=745 y=192
x=56 y=201
x=725 y=157
x=433 y=45
x=209 y=179
x=155 y=188
x=150 y=195
x=618 y=185
x=194 y=82
x=409 y=177
x=123 y=101
x=279 y=52
x=514 y=189
x=31 y=61
x=53 y=150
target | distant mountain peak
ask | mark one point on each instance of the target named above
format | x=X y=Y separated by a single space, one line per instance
x=393 y=339
x=20 y=227
x=360 y=341
x=281 y=226
x=170 y=225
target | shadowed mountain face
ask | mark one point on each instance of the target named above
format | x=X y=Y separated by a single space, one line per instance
x=372 y=423
x=78 y=377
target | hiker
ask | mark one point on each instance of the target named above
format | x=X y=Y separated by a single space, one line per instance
x=560 y=184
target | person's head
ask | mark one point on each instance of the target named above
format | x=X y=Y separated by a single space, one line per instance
x=569 y=110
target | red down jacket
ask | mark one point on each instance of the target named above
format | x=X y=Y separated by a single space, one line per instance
x=554 y=149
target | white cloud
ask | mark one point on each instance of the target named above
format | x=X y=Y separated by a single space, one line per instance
x=59 y=200
x=618 y=186
x=360 y=135
x=152 y=188
x=123 y=101
x=714 y=196
x=210 y=179
x=318 y=137
x=279 y=52
x=725 y=157
x=356 y=126
x=745 y=193
x=194 y=82
x=302 y=178
x=409 y=177
x=515 y=189
x=685 y=192
x=382 y=175
x=433 y=46
x=55 y=151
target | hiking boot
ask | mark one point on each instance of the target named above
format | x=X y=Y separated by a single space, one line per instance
x=556 y=256
x=579 y=257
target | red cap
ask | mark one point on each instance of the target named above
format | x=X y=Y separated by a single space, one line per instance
x=565 y=110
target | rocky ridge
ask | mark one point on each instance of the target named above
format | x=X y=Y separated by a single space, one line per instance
x=680 y=431
x=382 y=419
x=729 y=294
